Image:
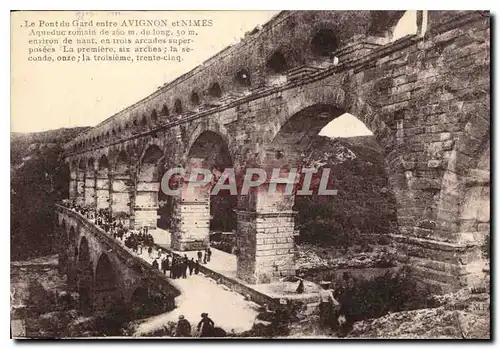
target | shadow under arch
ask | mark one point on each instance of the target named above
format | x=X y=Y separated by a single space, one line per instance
x=208 y=151
x=105 y=284
x=121 y=189
x=85 y=277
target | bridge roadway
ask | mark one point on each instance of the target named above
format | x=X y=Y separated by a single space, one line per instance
x=230 y=302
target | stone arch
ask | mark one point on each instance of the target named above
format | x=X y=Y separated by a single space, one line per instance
x=85 y=276
x=165 y=111
x=291 y=132
x=154 y=115
x=147 y=186
x=215 y=90
x=178 y=106
x=243 y=78
x=277 y=63
x=105 y=284
x=204 y=126
x=195 y=98
x=208 y=150
x=324 y=42
x=331 y=98
x=103 y=183
x=139 y=301
x=121 y=188
x=144 y=120
x=122 y=163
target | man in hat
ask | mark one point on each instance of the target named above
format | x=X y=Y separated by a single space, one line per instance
x=206 y=325
x=183 y=327
x=327 y=303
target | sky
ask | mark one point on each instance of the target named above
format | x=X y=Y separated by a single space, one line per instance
x=52 y=95
x=48 y=96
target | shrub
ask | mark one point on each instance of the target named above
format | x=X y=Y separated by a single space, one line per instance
x=391 y=292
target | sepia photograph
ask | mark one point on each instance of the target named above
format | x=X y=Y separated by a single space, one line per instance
x=294 y=174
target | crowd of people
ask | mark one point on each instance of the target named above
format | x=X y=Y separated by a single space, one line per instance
x=141 y=240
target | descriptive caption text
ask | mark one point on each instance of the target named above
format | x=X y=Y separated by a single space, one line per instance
x=127 y=40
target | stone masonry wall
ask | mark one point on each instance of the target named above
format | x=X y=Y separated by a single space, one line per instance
x=425 y=98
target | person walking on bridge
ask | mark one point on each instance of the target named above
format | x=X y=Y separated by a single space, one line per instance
x=184 y=266
x=191 y=266
x=197 y=268
x=164 y=265
x=183 y=327
x=200 y=256
x=205 y=326
x=155 y=264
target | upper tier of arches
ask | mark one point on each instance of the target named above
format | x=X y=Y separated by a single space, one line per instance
x=266 y=56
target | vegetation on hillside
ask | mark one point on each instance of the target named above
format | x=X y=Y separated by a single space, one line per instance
x=364 y=204
x=39 y=178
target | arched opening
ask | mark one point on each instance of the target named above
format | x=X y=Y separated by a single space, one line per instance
x=358 y=203
x=166 y=205
x=144 y=120
x=165 y=111
x=122 y=188
x=80 y=190
x=212 y=213
x=85 y=277
x=103 y=183
x=324 y=43
x=154 y=116
x=277 y=64
x=105 y=289
x=243 y=78
x=195 y=99
x=148 y=184
x=357 y=167
x=214 y=90
x=178 y=106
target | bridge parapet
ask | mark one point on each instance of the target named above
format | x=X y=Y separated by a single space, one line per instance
x=127 y=278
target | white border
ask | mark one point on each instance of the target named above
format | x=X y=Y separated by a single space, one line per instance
x=182 y=5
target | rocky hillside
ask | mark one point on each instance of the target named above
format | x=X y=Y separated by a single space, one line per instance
x=38 y=180
x=364 y=204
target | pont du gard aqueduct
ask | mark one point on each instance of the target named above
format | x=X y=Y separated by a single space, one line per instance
x=260 y=102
